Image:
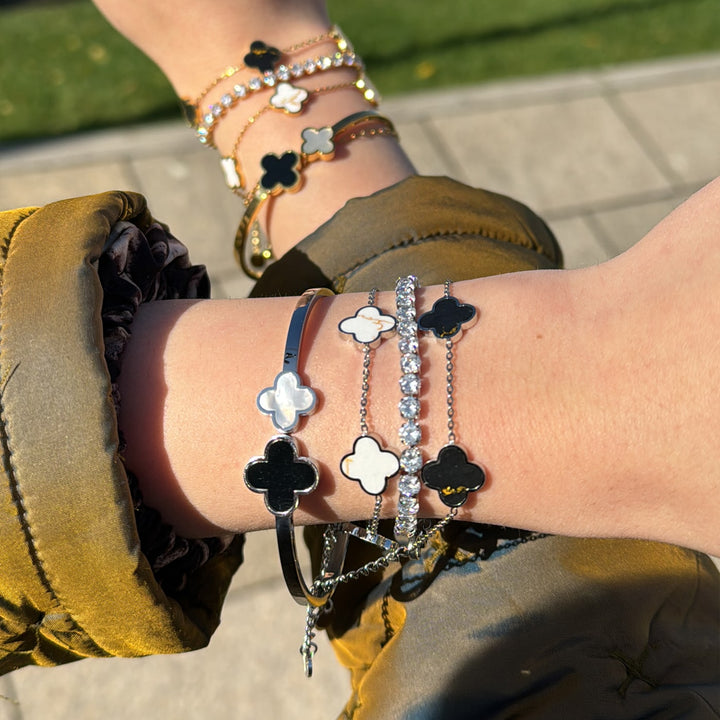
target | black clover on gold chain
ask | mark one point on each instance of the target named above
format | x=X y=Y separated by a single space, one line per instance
x=446 y=318
x=281 y=173
x=281 y=475
x=262 y=56
x=453 y=476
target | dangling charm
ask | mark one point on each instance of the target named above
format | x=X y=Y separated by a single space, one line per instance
x=281 y=475
x=447 y=317
x=451 y=475
x=262 y=57
x=370 y=465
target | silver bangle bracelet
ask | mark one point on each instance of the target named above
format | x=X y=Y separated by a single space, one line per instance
x=281 y=474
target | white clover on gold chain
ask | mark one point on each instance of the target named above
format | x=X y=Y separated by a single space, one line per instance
x=289 y=98
x=318 y=143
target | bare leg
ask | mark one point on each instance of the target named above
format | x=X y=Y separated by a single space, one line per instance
x=193 y=42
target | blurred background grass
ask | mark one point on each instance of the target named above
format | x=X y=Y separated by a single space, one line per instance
x=64 y=69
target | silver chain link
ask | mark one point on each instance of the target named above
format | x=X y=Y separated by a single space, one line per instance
x=365 y=388
x=450 y=390
x=450 y=380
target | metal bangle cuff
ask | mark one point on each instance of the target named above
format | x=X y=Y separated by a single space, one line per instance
x=281 y=474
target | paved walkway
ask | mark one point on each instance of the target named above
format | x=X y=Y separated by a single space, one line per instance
x=603 y=155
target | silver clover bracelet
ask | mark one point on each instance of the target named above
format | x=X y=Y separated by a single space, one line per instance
x=281 y=474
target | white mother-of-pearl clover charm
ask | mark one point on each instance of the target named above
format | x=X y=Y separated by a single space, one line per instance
x=289 y=98
x=286 y=401
x=232 y=177
x=318 y=143
x=368 y=325
x=370 y=465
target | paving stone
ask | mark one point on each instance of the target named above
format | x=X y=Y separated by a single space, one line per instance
x=252 y=669
x=188 y=193
x=683 y=123
x=260 y=564
x=580 y=245
x=96 y=146
x=570 y=154
x=661 y=72
x=230 y=283
x=22 y=189
x=513 y=92
x=622 y=227
x=425 y=150
x=9 y=705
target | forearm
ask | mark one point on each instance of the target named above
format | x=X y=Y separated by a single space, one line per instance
x=585 y=401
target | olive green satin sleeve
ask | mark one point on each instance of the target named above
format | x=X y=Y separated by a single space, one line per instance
x=73 y=580
x=433 y=227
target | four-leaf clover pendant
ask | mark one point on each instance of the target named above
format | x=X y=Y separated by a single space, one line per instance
x=370 y=465
x=262 y=57
x=286 y=401
x=281 y=475
x=453 y=476
x=447 y=317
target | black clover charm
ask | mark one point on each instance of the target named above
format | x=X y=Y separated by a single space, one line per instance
x=281 y=173
x=262 y=56
x=446 y=318
x=453 y=476
x=281 y=475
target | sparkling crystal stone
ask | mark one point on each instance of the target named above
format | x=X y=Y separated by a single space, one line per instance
x=405 y=525
x=409 y=485
x=226 y=100
x=409 y=407
x=202 y=132
x=310 y=67
x=324 y=63
x=406 y=313
x=283 y=73
x=405 y=301
x=409 y=505
x=216 y=110
x=410 y=384
x=240 y=91
x=255 y=84
x=349 y=59
x=410 y=433
x=337 y=59
x=407 y=328
x=410 y=363
x=411 y=460
x=408 y=344
x=209 y=119
x=269 y=79
x=296 y=70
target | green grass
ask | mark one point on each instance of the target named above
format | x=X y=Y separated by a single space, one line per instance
x=63 y=69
